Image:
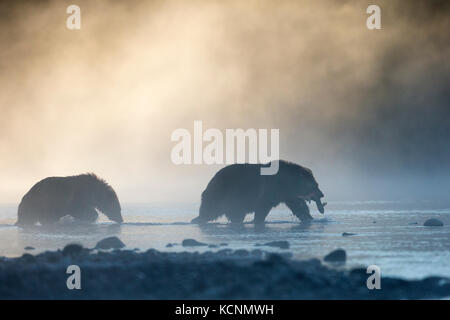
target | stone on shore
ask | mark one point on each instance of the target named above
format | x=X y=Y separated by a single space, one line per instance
x=338 y=255
x=192 y=243
x=433 y=223
x=277 y=244
x=72 y=249
x=110 y=243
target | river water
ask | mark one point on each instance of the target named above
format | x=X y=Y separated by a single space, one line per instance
x=388 y=234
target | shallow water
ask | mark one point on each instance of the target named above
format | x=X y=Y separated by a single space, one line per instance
x=388 y=234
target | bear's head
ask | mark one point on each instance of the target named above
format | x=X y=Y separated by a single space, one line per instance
x=108 y=203
x=110 y=206
x=106 y=199
x=302 y=184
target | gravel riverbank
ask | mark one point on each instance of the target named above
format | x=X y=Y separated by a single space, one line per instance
x=225 y=274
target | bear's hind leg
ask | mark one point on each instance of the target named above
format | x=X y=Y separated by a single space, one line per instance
x=236 y=217
x=299 y=208
x=199 y=220
x=25 y=216
x=25 y=221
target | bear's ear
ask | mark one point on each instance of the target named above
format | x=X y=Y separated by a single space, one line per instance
x=306 y=172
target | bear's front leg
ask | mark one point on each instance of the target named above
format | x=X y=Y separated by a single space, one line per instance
x=91 y=215
x=88 y=215
x=299 y=208
x=260 y=215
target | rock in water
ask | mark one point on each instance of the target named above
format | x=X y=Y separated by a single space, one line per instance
x=110 y=243
x=279 y=244
x=346 y=234
x=433 y=223
x=338 y=255
x=72 y=249
x=29 y=248
x=192 y=243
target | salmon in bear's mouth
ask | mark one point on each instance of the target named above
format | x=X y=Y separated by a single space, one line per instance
x=319 y=204
x=314 y=196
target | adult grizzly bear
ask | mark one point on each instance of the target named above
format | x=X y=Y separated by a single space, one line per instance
x=239 y=189
x=77 y=196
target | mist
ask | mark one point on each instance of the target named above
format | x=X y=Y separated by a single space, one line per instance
x=367 y=110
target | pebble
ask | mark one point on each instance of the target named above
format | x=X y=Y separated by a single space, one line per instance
x=338 y=255
x=433 y=223
x=110 y=243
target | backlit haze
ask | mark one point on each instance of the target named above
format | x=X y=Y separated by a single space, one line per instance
x=367 y=110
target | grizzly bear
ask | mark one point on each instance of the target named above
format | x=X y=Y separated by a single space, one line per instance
x=78 y=196
x=239 y=189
